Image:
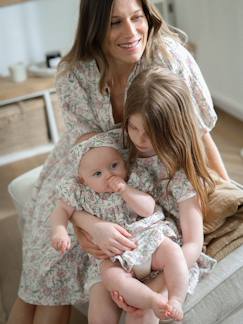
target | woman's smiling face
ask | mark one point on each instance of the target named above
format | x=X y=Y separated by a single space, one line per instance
x=127 y=34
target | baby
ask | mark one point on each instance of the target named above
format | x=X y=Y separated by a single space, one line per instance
x=100 y=186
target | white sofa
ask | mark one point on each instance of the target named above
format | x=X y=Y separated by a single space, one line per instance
x=218 y=298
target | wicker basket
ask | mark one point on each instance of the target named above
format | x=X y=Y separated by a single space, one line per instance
x=23 y=126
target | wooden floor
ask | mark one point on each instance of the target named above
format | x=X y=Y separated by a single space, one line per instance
x=228 y=135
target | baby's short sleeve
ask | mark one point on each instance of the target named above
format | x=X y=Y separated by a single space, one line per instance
x=141 y=180
x=180 y=187
x=69 y=190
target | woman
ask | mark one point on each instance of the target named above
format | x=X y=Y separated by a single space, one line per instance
x=115 y=40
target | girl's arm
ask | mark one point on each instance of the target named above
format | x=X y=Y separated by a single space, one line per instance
x=111 y=238
x=191 y=221
x=214 y=159
x=140 y=202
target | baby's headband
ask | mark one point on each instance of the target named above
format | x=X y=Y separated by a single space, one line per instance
x=111 y=139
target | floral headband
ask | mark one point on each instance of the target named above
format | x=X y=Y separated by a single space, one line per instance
x=109 y=139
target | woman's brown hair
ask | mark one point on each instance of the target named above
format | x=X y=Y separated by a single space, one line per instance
x=163 y=100
x=93 y=25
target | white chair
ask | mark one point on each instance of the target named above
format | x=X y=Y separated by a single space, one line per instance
x=218 y=298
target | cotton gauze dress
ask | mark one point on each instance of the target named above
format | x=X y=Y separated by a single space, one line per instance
x=49 y=278
x=148 y=232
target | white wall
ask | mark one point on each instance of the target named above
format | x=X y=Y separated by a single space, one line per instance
x=216 y=27
x=30 y=29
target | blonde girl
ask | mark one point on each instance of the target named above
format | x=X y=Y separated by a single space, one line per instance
x=164 y=137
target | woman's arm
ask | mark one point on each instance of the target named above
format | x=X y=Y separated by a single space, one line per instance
x=191 y=221
x=214 y=159
x=111 y=238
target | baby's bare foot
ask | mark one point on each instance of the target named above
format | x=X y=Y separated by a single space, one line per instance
x=174 y=310
x=160 y=306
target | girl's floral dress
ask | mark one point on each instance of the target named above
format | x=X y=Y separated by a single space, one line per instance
x=49 y=278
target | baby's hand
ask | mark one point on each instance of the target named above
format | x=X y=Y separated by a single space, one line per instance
x=117 y=184
x=60 y=240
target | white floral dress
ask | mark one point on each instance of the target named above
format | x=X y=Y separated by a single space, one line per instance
x=148 y=232
x=49 y=278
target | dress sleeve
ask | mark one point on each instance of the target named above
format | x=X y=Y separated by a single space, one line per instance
x=73 y=93
x=183 y=64
x=70 y=191
x=180 y=187
x=140 y=179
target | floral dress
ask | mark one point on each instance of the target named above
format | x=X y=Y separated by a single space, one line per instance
x=169 y=194
x=148 y=232
x=49 y=278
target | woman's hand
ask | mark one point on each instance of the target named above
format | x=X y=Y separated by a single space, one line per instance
x=119 y=300
x=87 y=245
x=111 y=238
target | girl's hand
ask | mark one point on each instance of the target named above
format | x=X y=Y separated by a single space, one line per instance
x=60 y=240
x=119 y=300
x=112 y=238
x=86 y=244
x=117 y=184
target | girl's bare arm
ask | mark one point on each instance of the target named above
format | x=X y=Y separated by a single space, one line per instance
x=191 y=221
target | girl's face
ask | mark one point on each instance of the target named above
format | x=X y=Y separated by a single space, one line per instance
x=127 y=35
x=98 y=165
x=139 y=137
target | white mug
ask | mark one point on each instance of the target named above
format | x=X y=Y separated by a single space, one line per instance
x=18 y=72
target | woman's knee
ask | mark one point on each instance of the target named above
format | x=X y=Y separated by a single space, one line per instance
x=147 y=317
x=103 y=318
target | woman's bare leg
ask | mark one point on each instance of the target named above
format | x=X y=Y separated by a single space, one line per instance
x=148 y=317
x=21 y=313
x=24 y=313
x=52 y=314
x=102 y=309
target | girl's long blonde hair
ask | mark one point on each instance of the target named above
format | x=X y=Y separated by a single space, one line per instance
x=164 y=102
x=93 y=25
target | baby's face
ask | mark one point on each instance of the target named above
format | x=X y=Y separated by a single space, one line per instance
x=98 y=165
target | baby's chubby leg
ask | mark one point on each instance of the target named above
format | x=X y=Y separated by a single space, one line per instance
x=170 y=258
x=135 y=293
x=101 y=307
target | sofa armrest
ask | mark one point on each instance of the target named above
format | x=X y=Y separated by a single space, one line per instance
x=21 y=187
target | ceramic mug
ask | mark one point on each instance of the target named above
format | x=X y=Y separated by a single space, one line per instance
x=18 y=72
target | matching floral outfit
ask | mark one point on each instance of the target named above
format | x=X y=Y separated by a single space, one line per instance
x=49 y=278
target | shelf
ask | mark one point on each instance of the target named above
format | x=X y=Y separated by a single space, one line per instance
x=10 y=2
x=33 y=87
x=12 y=91
x=13 y=157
